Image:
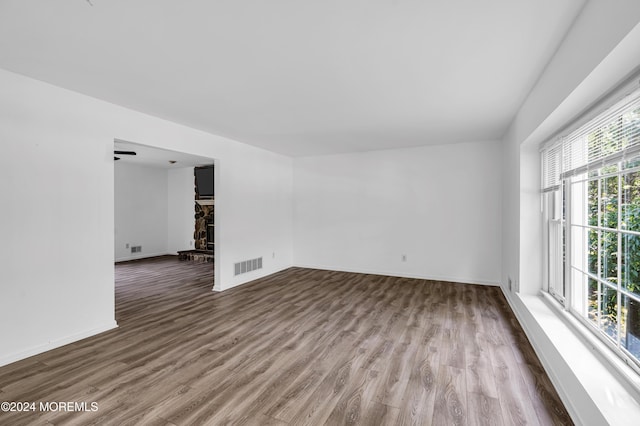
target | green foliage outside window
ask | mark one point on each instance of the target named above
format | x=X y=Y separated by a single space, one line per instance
x=610 y=194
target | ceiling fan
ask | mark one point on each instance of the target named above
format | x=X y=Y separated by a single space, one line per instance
x=122 y=153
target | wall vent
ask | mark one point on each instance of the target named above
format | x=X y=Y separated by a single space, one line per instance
x=136 y=249
x=247 y=266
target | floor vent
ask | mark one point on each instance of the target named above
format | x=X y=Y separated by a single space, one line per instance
x=247 y=266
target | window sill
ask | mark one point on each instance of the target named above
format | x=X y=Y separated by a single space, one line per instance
x=592 y=381
x=601 y=350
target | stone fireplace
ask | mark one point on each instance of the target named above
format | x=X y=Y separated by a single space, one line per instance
x=204 y=230
x=210 y=234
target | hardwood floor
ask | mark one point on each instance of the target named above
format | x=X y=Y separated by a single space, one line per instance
x=302 y=347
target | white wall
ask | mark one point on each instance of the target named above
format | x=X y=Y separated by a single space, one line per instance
x=181 y=221
x=154 y=208
x=262 y=215
x=56 y=279
x=141 y=199
x=510 y=212
x=440 y=205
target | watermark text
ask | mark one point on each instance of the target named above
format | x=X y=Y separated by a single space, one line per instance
x=49 y=406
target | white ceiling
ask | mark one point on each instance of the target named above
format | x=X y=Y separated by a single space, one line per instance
x=297 y=77
x=148 y=156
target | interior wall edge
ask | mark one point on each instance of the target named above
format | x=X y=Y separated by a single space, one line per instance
x=45 y=347
x=452 y=279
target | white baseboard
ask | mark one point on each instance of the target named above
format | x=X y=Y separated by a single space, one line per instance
x=143 y=256
x=56 y=343
x=462 y=280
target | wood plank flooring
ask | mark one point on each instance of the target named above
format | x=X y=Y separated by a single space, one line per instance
x=301 y=347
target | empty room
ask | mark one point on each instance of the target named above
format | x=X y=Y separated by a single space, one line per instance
x=320 y=212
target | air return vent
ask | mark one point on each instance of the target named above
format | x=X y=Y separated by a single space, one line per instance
x=136 y=249
x=247 y=266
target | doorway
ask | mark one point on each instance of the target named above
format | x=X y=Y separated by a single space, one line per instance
x=157 y=206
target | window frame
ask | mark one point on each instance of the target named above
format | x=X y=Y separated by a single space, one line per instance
x=564 y=296
x=569 y=304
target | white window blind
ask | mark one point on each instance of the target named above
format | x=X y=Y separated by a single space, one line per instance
x=551 y=166
x=606 y=136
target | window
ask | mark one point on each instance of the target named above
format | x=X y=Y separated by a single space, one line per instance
x=591 y=214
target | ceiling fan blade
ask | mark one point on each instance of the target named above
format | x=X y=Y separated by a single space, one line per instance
x=124 y=152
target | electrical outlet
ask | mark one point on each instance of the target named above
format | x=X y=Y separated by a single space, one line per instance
x=510 y=283
x=190 y=243
x=126 y=245
x=404 y=257
x=273 y=255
